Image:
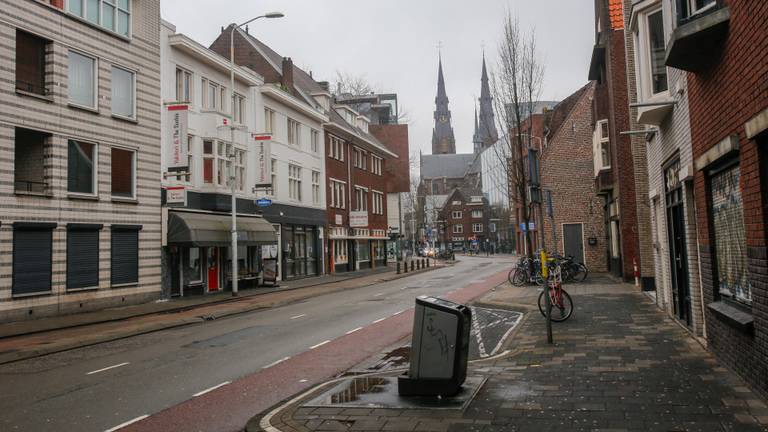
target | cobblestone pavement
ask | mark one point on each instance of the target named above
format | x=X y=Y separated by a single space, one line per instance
x=619 y=364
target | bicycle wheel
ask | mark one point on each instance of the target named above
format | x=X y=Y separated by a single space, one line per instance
x=560 y=312
x=520 y=277
x=580 y=272
x=511 y=276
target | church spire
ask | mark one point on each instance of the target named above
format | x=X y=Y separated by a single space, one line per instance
x=443 y=141
x=485 y=132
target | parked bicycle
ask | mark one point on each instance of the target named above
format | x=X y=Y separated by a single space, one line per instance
x=561 y=305
x=572 y=271
x=526 y=271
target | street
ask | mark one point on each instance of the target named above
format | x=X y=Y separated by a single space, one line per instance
x=102 y=386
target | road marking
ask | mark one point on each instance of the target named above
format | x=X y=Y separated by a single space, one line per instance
x=298 y=316
x=379 y=320
x=398 y=312
x=129 y=422
x=107 y=368
x=354 y=330
x=275 y=362
x=303 y=380
x=200 y=393
x=320 y=344
x=378 y=294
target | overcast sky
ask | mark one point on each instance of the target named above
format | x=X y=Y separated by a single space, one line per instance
x=393 y=44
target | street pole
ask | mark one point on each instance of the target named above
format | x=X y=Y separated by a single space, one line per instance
x=231 y=156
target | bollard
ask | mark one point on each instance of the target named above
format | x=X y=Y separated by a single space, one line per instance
x=427 y=262
x=418 y=264
x=413 y=266
x=405 y=266
x=423 y=265
x=398 y=267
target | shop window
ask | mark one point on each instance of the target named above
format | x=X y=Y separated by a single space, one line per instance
x=192 y=265
x=363 y=251
x=30 y=63
x=125 y=256
x=32 y=255
x=729 y=235
x=340 y=252
x=123 y=173
x=81 y=167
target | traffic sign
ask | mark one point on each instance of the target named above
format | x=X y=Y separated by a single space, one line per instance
x=263 y=202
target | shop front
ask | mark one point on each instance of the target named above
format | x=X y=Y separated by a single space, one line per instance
x=300 y=251
x=199 y=246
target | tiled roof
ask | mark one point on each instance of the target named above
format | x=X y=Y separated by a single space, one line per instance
x=447 y=165
x=616 y=13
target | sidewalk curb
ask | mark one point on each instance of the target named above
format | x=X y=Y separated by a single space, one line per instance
x=15 y=356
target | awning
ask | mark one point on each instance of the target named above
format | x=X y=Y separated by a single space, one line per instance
x=201 y=229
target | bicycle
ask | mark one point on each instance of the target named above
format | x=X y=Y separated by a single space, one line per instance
x=561 y=305
x=526 y=271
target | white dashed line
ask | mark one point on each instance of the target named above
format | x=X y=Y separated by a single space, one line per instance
x=378 y=294
x=379 y=320
x=107 y=368
x=319 y=345
x=298 y=316
x=398 y=312
x=303 y=380
x=354 y=330
x=200 y=393
x=275 y=362
x=129 y=422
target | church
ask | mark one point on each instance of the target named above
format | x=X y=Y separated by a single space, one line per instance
x=450 y=182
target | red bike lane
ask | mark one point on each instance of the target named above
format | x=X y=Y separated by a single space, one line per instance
x=229 y=408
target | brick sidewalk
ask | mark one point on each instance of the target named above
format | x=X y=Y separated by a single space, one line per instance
x=619 y=364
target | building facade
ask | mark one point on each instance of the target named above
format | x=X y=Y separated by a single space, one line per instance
x=463 y=222
x=79 y=121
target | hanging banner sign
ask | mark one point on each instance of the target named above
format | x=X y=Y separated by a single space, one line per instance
x=176 y=148
x=263 y=160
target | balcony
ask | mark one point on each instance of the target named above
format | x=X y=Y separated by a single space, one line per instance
x=604 y=181
x=699 y=36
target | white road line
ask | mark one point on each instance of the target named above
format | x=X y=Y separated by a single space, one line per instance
x=354 y=330
x=319 y=345
x=303 y=380
x=378 y=294
x=275 y=362
x=298 y=316
x=378 y=320
x=398 y=312
x=129 y=422
x=107 y=368
x=200 y=393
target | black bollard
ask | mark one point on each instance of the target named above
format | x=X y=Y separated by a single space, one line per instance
x=398 y=267
x=413 y=266
x=427 y=262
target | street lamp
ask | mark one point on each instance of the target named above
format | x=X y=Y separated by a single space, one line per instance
x=231 y=156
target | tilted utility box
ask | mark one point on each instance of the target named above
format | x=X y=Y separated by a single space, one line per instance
x=439 y=348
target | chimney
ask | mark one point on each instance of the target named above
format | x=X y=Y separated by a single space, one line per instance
x=324 y=85
x=287 y=79
x=246 y=30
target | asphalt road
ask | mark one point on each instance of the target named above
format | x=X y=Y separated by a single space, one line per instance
x=103 y=386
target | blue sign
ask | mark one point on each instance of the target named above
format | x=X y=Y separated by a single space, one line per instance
x=531 y=226
x=263 y=202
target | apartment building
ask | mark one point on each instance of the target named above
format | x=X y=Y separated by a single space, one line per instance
x=294 y=118
x=463 y=221
x=221 y=144
x=80 y=134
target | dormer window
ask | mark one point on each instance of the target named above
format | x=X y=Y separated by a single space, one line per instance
x=688 y=9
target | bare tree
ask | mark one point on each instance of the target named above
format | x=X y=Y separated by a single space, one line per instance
x=516 y=86
x=358 y=85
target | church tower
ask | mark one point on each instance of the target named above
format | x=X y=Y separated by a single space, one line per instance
x=443 y=141
x=485 y=126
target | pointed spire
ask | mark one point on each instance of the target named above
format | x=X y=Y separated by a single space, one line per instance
x=485 y=133
x=475 y=118
x=441 y=94
x=443 y=140
x=485 y=90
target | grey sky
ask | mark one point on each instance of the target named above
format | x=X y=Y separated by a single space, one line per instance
x=394 y=45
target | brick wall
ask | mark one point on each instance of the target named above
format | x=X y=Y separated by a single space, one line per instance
x=722 y=98
x=398 y=172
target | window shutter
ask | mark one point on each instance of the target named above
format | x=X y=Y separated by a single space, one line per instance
x=125 y=255
x=32 y=259
x=82 y=257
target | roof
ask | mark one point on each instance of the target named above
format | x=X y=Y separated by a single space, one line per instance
x=560 y=111
x=616 y=14
x=449 y=165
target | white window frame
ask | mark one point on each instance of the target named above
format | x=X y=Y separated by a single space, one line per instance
x=240 y=109
x=240 y=163
x=273 y=168
x=134 y=161
x=315 y=187
x=477 y=214
x=376 y=164
x=294 y=131
x=456 y=214
x=643 y=63
x=477 y=227
x=100 y=18
x=599 y=142
x=315 y=140
x=269 y=121
x=361 y=198
x=186 y=78
x=458 y=229
x=338 y=193
x=95 y=106
x=693 y=10
x=336 y=148
x=294 y=182
x=378 y=202
x=133 y=91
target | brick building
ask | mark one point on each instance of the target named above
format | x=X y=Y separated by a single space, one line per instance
x=462 y=221
x=80 y=137
x=723 y=47
x=566 y=171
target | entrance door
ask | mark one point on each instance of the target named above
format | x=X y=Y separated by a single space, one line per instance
x=573 y=241
x=678 y=259
x=213 y=269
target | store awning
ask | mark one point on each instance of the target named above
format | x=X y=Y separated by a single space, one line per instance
x=201 y=230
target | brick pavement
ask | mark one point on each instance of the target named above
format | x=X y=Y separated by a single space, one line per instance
x=619 y=364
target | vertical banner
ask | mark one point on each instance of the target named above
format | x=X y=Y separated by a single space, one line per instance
x=263 y=160
x=176 y=150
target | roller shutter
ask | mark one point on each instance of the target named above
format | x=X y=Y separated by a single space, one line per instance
x=82 y=257
x=125 y=255
x=32 y=246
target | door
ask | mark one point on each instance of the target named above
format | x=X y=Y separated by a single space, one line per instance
x=678 y=260
x=573 y=241
x=213 y=269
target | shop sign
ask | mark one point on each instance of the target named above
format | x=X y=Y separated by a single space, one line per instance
x=339 y=220
x=176 y=151
x=358 y=219
x=263 y=202
x=263 y=161
x=176 y=196
x=270 y=270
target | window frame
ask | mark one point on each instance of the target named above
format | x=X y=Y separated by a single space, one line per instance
x=210 y=156
x=44 y=64
x=70 y=230
x=457 y=214
x=100 y=17
x=475 y=228
x=294 y=131
x=315 y=187
x=188 y=79
x=643 y=54
x=294 y=182
x=95 y=84
x=273 y=173
x=134 y=173
x=95 y=169
x=457 y=229
x=477 y=211
x=133 y=73
x=361 y=198
x=269 y=121
x=314 y=140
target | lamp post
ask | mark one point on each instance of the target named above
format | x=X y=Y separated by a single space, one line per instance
x=231 y=156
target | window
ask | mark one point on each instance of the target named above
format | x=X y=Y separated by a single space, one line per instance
x=190 y=159
x=477 y=213
x=81 y=167
x=336 y=148
x=359 y=158
x=208 y=161
x=294 y=182
x=315 y=187
x=29 y=163
x=82 y=256
x=315 y=141
x=223 y=163
x=193 y=267
x=730 y=236
x=339 y=251
x=239 y=113
x=294 y=132
x=361 y=199
x=30 y=63
x=378 y=203
x=376 y=165
x=689 y=8
x=183 y=86
x=123 y=92
x=458 y=229
x=269 y=121
x=274 y=176
x=113 y=15
x=82 y=80
x=338 y=194
x=657 y=52
x=601 y=146
x=477 y=228
x=240 y=169
x=32 y=258
x=456 y=214
x=123 y=173
x=125 y=255
x=210 y=94
x=224 y=102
